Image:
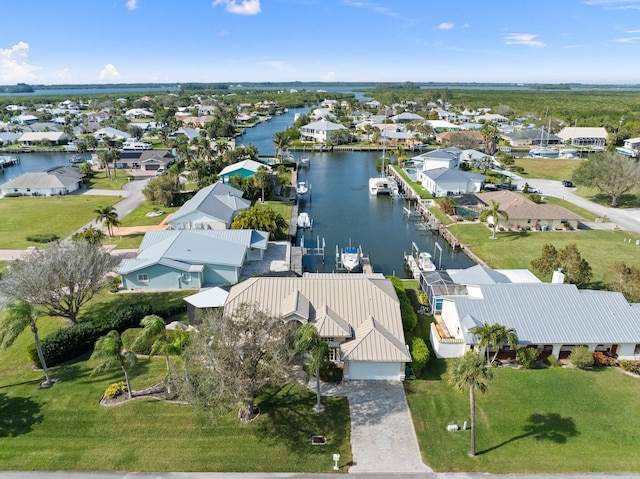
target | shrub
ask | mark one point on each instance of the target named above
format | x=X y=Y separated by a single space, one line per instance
x=552 y=361
x=43 y=238
x=629 y=366
x=12 y=195
x=581 y=357
x=409 y=316
x=601 y=359
x=422 y=297
x=128 y=316
x=536 y=198
x=66 y=344
x=112 y=284
x=527 y=357
x=419 y=354
x=330 y=372
x=115 y=390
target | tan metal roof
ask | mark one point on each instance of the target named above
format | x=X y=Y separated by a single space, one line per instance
x=335 y=301
x=519 y=207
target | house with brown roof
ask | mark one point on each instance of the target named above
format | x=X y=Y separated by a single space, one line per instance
x=357 y=314
x=525 y=214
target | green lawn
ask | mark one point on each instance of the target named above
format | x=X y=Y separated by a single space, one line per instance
x=516 y=250
x=65 y=427
x=543 y=421
x=138 y=217
x=548 y=169
x=61 y=215
x=100 y=180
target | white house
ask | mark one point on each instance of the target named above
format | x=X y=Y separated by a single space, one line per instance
x=594 y=137
x=448 y=181
x=319 y=131
x=58 y=180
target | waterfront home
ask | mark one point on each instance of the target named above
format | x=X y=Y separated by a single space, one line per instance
x=551 y=317
x=145 y=160
x=442 y=125
x=24 y=119
x=212 y=208
x=55 y=181
x=171 y=259
x=450 y=181
x=190 y=133
x=524 y=214
x=595 y=138
x=243 y=169
x=492 y=117
x=532 y=136
x=357 y=314
x=38 y=137
x=440 y=158
x=630 y=148
x=319 y=131
x=8 y=137
x=111 y=134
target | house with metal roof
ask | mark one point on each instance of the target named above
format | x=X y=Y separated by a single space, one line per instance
x=552 y=317
x=357 y=314
x=36 y=137
x=213 y=207
x=244 y=169
x=440 y=158
x=593 y=137
x=145 y=160
x=54 y=181
x=319 y=131
x=170 y=259
x=532 y=136
x=524 y=214
x=450 y=181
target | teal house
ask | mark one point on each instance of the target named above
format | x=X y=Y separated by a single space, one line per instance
x=192 y=259
x=244 y=169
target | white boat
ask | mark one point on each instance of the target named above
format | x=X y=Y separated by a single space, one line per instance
x=382 y=186
x=304 y=221
x=302 y=188
x=568 y=152
x=304 y=161
x=351 y=258
x=544 y=152
x=425 y=263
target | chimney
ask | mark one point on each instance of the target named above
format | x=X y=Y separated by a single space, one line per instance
x=558 y=276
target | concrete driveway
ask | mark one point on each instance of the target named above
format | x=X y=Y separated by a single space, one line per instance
x=382 y=435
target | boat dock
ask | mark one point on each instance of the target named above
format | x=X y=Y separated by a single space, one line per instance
x=6 y=161
x=412 y=265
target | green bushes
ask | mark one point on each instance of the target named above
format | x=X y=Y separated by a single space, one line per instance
x=115 y=390
x=409 y=316
x=66 y=344
x=330 y=372
x=630 y=366
x=419 y=354
x=43 y=238
x=552 y=361
x=527 y=357
x=581 y=357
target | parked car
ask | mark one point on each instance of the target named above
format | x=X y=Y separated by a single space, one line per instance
x=567 y=183
x=161 y=171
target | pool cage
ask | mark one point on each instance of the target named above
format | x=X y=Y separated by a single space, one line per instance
x=436 y=284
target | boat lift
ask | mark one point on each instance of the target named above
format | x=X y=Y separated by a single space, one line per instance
x=317 y=251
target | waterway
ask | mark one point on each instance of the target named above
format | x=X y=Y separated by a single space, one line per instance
x=33 y=162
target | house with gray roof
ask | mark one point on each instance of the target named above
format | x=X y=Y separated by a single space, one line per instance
x=448 y=181
x=212 y=208
x=357 y=314
x=532 y=136
x=171 y=259
x=145 y=160
x=55 y=181
x=551 y=317
x=440 y=158
x=319 y=131
x=111 y=134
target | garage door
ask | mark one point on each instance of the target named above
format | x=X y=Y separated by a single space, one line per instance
x=379 y=371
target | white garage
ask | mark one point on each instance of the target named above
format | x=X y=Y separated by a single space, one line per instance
x=360 y=370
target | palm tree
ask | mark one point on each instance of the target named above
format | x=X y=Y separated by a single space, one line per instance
x=110 y=351
x=262 y=179
x=18 y=315
x=470 y=371
x=492 y=215
x=109 y=217
x=155 y=328
x=495 y=336
x=282 y=142
x=485 y=334
x=308 y=341
x=104 y=158
x=490 y=135
x=91 y=235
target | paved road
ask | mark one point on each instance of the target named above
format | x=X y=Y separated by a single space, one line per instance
x=625 y=219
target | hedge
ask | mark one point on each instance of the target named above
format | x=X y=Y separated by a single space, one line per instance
x=419 y=354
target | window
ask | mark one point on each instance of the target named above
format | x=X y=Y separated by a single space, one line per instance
x=186 y=277
x=143 y=278
x=334 y=355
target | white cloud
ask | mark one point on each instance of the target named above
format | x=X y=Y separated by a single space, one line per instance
x=329 y=76
x=109 y=73
x=245 y=7
x=132 y=4
x=627 y=40
x=445 y=26
x=14 y=66
x=526 y=39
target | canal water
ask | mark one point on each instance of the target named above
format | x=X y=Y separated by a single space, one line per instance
x=33 y=162
x=344 y=212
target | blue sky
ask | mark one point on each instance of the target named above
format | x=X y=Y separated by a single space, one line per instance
x=128 y=41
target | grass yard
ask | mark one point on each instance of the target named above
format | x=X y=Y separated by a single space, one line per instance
x=543 y=421
x=100 y=180
x=516 y=250
x=61 y=215
x=548 y=169
x=138 y=217
x=65 y=427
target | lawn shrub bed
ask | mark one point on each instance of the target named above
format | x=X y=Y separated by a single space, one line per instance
x=43 y=238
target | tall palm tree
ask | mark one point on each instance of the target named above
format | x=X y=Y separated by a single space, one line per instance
x=104 y=158
x=308 y=341
x=490 y=135
x=108 y=216
x=493 y=214
x=110 y=351
x=485 y=334
x=282 y=142
x=495 y=336
x=154 y=328
x=17 y=316
x=470 y=371
x=262 y=179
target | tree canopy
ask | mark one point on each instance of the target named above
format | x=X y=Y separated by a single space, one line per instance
x=611 y=173
x=576 y=269
x=262 y=219
x=60 y=279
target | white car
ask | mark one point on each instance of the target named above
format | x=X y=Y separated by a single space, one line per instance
x=161 y=171
x=530 y=190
